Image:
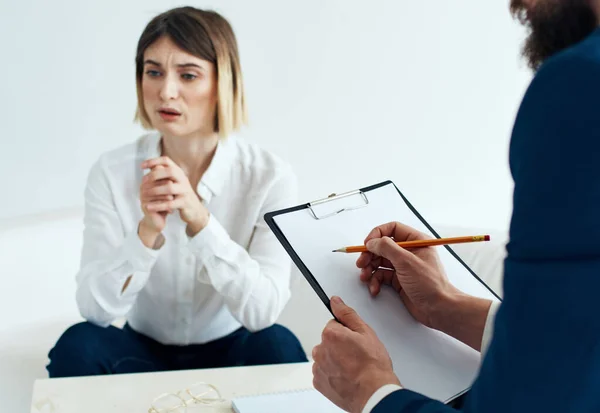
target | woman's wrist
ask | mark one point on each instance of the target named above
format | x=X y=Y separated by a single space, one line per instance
x=198 y=224
x=148 y=235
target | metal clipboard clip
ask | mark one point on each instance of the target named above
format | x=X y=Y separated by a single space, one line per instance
x=334 y=197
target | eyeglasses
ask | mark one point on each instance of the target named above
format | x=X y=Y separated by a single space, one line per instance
x=197 y=394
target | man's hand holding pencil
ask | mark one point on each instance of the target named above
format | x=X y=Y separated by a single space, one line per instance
x=419 y=278
x=417 y=275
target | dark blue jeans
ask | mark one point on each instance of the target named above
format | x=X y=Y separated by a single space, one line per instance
x=86 y=349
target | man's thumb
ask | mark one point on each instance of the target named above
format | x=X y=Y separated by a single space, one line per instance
x=346 y=315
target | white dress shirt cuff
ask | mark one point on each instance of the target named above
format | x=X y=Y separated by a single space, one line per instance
x=211 y=239
x=137 y=254
x=379 y=395
x=488 y=330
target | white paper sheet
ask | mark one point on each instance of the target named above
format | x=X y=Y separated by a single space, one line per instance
x=425 y=360
x=301 y=401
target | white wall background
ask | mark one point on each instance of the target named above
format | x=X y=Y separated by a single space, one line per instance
x=349 y=92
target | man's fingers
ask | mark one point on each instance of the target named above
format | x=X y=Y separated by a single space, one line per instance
x=320 y=379
x=374 y=286
x=396 y=284
x=317 y=354
x=332 y=336
x=396 y=230
x=346 y=315
x=388 y=249
x=370 y=260
x=365 y=275
x=378 y=263
x=375 y=263
x=364 y=259
x=386 y=272
x=381 y=276
x=401 y=232
x=385 y=230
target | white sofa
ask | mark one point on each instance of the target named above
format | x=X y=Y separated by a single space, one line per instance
x=39 y=259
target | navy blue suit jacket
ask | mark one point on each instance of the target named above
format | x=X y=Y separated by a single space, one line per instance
x=545 y=351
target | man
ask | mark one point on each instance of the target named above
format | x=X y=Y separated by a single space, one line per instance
x=545 y=351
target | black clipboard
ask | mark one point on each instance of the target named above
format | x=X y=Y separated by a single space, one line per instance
x=269 y=219
x=364 y=193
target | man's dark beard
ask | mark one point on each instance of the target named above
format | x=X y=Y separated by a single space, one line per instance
x=553 y=25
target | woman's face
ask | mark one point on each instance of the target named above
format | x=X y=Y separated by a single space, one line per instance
x=179 y=90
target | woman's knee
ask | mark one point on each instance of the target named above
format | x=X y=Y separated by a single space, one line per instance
x=79 y=337
x=76 y=348
x=277 y=344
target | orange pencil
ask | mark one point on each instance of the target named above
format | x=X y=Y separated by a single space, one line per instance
x=422 y=243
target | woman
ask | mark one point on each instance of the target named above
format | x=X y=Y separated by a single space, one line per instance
x=174 y=238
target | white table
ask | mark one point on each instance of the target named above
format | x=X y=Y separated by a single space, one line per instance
x=128 y=393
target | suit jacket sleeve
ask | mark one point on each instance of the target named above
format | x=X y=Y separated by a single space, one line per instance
x=544 y=355
x=404 y=400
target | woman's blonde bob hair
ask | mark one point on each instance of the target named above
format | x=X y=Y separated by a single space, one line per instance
x=208 y=36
